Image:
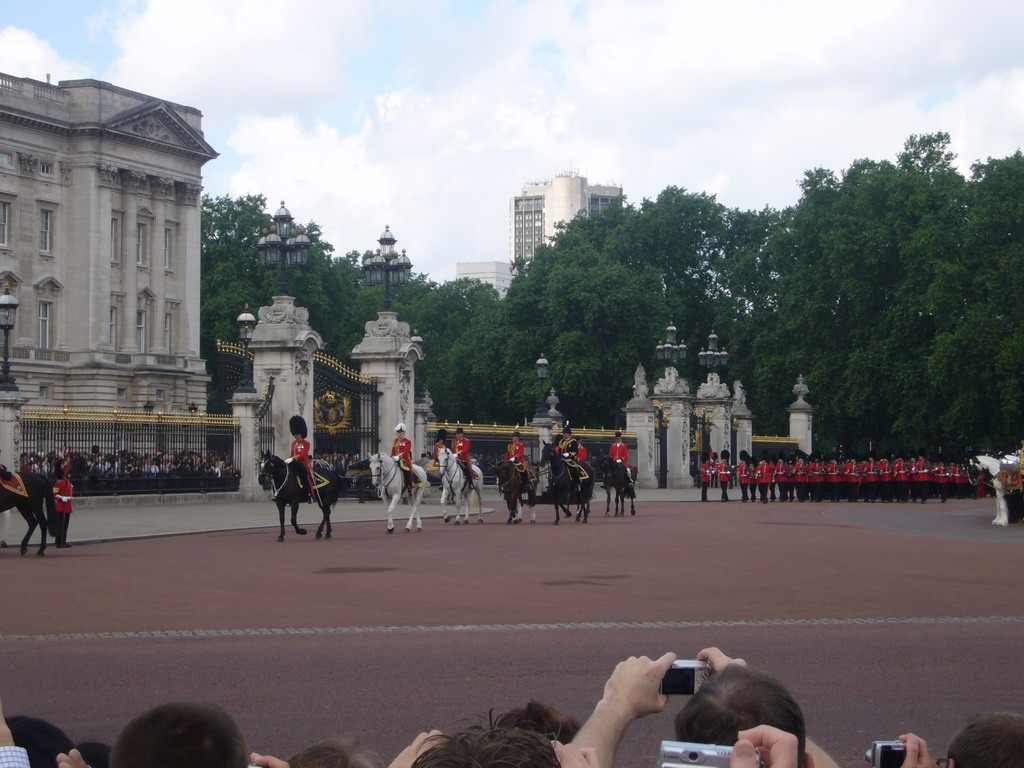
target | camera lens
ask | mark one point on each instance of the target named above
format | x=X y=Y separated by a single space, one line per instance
x=693 y=757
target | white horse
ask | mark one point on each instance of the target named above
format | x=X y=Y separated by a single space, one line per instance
x=992 y=465
x=453 y=483
x=387 y=478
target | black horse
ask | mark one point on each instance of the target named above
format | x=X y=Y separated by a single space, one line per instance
x=616 y=477
x=565 y=491
x=511 y=487
x=274 y=472
x=39 y=492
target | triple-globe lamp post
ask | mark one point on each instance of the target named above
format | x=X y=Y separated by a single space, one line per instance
x=386 y=267
x=8 y=310
x=541 y=366
x=246 y=324
x=285 y=247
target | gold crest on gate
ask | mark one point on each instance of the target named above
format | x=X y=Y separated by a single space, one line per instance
x=331 y=414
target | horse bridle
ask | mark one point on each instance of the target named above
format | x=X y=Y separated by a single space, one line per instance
x=378 y=477
x=274 y=486
x=451 y=460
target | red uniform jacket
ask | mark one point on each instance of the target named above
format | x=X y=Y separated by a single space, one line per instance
x=619 y=451
x=300 y=452
x=63 y=489
x=460 y=447
x=402 y=448
x=765 y=472
x=515 y=452
x=581 y=454
x=724 y=472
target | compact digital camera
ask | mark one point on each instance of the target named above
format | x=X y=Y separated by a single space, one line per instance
x=678 y=754
x=684 y=677
x=886 y=754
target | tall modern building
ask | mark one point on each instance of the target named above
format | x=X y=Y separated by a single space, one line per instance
x=99 y=241
x=534 y=214
x=496 y=273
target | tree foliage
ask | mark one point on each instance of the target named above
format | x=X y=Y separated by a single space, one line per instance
x=888 y=286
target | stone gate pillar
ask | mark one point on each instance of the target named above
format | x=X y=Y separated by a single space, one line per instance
x=389 y=353
x=283 y=346
x=743 y=419
x=714 y=403
x=10 y=428
x=640 y=420
x=801 y=417
x=674 y=395
x=243 y=408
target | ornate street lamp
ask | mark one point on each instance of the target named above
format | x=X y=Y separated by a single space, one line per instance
x=246 y=323
x=669 y=351
x=385 y=267
x=8 y=310
x=285 y=247
x=541 y=367
x=713 y=357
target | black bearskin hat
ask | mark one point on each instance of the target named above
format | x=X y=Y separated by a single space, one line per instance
x=725 y=454
x=58 y=470
x=442 y=433
x=744 y=456
x=297 y=426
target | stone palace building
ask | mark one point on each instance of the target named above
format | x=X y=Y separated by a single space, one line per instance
x=99 y=241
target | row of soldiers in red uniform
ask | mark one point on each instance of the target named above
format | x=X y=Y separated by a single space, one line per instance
x=837 y=478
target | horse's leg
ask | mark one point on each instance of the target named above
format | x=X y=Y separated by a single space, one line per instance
x=417 y=496
x=391 y=510
x=445 y=517
x=1002 y=518
x=295 y=518
x=30 y=518
x=632 y=505
x=280 y=514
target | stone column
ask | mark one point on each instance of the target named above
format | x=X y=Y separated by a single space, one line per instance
x=424 y=413
x=714 y=400
x=742 y=418
x=674 y=395
x=243 y=407
x=801 y=417
x=388 y=352
x=10 y=428
x=640 y=420
x=283 y=346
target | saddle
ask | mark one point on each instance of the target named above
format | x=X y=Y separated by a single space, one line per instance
x=1009 y=479
x=15 y=485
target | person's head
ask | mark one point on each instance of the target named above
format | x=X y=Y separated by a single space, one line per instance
x=988 y=740
x=297 y=426
x=460 y=432
x=566 y=431
x=337 y=752
x=400 y=429
x=40 y=738
x=442 y=435
x=734 y=700
x=515 y=437
x=618 y=436
x=542 y=719
x=480 y=747
x=193 y=733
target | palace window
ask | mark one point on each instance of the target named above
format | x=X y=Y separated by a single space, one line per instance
x=168 y=247
x=45 y=312
x=141 y=245
x=115 y=240
x=140 y=330
x=168 y=329
x=5 y=217
x=113 y=328
x=45 y=230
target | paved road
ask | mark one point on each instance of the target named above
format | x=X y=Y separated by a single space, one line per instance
x=881 y=619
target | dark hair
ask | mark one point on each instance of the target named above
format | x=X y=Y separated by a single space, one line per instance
x=541 y=719
x=40 y=738
x=336 y=752
x=736 y=699
x=95 y=753
x=198 y=734
x=480 y=747
x=989 y=740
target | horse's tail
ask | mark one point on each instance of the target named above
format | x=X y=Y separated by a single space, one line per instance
x=52 y=524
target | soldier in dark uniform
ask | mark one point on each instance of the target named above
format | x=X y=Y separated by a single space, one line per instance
x=568 y=449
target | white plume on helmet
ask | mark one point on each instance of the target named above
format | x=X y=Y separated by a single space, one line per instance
x=400 y=427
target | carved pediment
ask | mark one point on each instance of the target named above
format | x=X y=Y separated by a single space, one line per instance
x=48 y=286
x=157 y=122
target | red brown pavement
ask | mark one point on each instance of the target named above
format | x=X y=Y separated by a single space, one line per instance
x=881 y=618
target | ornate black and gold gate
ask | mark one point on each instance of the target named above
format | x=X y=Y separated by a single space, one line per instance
x=345 y=408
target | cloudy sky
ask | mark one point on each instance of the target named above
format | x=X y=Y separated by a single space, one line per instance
x=428 y=115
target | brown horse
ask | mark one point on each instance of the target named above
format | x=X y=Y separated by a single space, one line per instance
x=511 y=487
x=38 y=492
x=616 y=477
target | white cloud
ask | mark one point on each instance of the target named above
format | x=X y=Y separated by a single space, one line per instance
x=428 y=116
x=25 y=54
